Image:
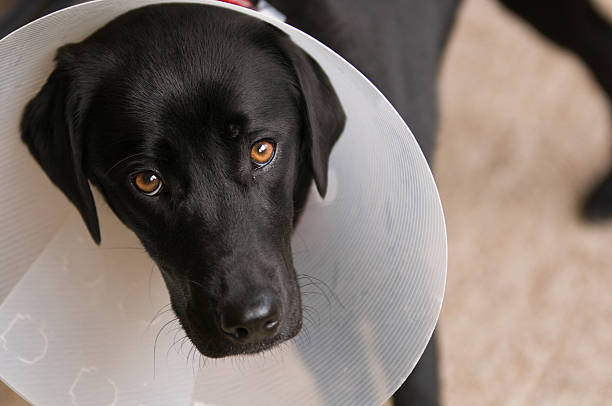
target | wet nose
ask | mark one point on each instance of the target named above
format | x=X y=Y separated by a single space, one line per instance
x=249 y=321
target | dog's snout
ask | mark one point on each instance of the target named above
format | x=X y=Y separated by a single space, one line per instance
x=251 y=321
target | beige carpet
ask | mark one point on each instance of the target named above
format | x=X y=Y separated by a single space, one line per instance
x=527 y=319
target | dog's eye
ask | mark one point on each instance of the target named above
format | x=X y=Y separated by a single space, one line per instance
x=148 y=182
x=262 y=152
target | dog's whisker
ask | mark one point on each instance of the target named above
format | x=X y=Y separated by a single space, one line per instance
x=307 y=314
x=311 y=312
x=193 y=358
x=170 y=347
x=321 y=291
x=155 y=342
x=319 y=282
x=189 y=355
x=312 y=293
x=159 y=313
x=201 y=362
x=304 y=338
x=183 y=341
x=175 y=342
x=190 y=361
x=306 y=326
x=158 y=316
x=315 y=284
x=177 y=331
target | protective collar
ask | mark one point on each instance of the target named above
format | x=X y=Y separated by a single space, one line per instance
x=78 y=322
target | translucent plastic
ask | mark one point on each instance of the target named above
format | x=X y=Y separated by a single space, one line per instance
x=79 y=324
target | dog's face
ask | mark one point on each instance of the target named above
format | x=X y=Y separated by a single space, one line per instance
x=203 y=129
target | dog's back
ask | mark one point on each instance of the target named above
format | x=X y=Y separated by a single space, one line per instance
x=396 y=44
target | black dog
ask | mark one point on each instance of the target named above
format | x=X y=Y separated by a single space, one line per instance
x=205 y=128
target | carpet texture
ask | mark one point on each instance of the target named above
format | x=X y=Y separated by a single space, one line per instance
x=525 y=132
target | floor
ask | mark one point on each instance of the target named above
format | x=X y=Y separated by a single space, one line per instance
x=526 y=318
x=524 y=132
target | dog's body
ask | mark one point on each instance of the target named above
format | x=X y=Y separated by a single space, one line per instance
x=187 y=97
x=398 y=45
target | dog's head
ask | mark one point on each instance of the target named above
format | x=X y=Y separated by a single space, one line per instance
x=203 y=128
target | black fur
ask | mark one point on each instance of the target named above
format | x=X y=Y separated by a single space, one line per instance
x=187 y=100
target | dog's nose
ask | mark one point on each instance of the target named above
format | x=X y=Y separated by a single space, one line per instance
x=251 y=321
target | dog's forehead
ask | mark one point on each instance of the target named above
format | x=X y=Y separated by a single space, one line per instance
x=265 y=97
x=207 y=75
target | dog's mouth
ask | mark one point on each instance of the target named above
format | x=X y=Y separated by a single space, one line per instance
x=225 y=321
x=220 y=347
x=214 y=341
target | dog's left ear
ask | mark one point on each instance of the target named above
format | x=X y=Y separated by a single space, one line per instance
x=324 y=116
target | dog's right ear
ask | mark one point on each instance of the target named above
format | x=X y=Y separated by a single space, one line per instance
x=324 y=115
x=51 y=128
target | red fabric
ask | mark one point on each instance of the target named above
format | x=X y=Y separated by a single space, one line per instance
x=243 y=3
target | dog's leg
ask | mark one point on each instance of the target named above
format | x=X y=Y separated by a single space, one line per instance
x=422 y=386
x=577 y=26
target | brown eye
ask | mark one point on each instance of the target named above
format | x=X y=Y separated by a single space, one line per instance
x=262 y=152
x=148 y=183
